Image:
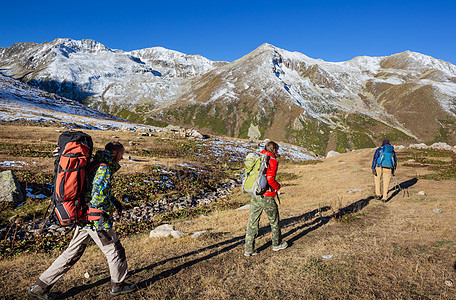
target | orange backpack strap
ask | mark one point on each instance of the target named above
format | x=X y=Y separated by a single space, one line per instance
x=94 y=214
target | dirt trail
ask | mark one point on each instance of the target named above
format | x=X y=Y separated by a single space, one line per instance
x=401 y=249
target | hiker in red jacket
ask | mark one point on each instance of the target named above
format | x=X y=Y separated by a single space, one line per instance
x=267 y=203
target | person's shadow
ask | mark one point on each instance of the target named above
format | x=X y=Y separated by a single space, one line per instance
x=401 y=187
x=293 y=224
x=227 y=246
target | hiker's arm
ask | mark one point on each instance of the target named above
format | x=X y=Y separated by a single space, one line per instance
x=271 y=174
x=374 y=160
x=101 y=190
x=117 y=204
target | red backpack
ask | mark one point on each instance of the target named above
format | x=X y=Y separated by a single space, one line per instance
x=70 y=169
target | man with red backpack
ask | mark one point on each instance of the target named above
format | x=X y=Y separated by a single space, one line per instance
x=98 y=226
x=384 y=164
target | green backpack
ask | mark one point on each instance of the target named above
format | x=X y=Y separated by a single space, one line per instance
x=255 y=181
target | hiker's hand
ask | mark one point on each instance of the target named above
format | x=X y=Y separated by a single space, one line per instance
x=374 y=171
x=118 y=205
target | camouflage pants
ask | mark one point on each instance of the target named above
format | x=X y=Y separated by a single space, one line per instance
x=257 y=205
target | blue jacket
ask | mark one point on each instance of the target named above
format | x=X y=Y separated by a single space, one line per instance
x=377 y=154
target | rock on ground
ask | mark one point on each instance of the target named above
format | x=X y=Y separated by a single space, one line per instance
x=166 y=230
x=197 y=234
x=332 y=153
x=10 y=189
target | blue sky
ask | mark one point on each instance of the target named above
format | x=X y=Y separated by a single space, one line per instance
x=227 y=30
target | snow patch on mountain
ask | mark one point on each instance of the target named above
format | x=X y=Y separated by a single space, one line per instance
x=170 y=63
x=20 y=101
x=156 y=78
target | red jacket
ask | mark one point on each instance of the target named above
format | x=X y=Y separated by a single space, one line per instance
x=271 y=174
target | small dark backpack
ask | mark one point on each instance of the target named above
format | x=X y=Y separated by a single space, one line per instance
x=70 y=170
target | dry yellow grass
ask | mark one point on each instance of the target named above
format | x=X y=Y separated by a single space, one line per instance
x=398 y=250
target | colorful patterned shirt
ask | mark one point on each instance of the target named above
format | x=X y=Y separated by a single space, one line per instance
x=99 y=192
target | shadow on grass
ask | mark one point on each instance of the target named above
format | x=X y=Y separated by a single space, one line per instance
x=231 y=244
x=403 y=186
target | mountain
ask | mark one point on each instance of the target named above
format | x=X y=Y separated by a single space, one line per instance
x=408 y=97
x=22 y=103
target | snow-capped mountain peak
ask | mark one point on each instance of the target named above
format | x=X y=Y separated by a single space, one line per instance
x=282 y=91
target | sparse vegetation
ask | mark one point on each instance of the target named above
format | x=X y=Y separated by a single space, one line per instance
x=441 y=162
x=342 y=245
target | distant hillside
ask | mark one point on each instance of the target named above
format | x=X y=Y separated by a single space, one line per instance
x=21 y=102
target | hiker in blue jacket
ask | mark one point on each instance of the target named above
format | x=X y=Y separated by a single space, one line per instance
x=383 y=166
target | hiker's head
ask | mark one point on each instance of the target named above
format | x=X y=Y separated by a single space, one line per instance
x=272 y=147
x=385 y=142
x=117 y=150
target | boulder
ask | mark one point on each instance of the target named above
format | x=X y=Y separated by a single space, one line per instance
x=10 y=189
x=125 y=129
x=441 y=146
x=166 y=230
x=332 y=153
x=197 y=234
x=419 y=146
x=195 y=134
x=173 y=127
x=254 y=132
x=142 y=130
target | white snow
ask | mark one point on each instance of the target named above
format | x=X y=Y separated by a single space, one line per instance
x=21 y=101
x=157 y=77
x=13 y=164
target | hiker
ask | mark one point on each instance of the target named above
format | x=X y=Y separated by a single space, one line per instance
x=383 y=166
x=99 y=198
x=267 y=203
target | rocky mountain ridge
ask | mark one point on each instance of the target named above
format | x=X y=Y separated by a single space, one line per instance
x=408 y=97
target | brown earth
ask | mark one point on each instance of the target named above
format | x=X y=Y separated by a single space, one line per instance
x=401 y=249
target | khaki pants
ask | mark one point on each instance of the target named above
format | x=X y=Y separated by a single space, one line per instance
x=386 y=174
x=106 y=240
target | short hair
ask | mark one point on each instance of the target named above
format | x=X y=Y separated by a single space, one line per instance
x=271 y=146
x=114 y=147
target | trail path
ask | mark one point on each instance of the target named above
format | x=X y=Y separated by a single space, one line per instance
x=342 y=245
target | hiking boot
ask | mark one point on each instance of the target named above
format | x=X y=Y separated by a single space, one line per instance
x=378 y=197
x=280 y=246
x=122 y=288
x=250 y=253
x=37 y=292
x=384 y=201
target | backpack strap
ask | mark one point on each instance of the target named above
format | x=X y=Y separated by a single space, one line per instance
x=93 y=166
x=95 y=214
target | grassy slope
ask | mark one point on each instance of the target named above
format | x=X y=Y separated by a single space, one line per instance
x=401 y=249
